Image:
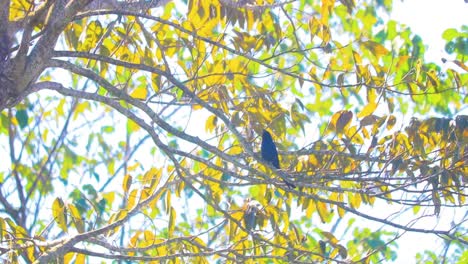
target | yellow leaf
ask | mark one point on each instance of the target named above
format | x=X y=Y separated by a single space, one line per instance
x=357 y=58
x=148 y=238
x=133 y=167
x=114 y=218
x=285 y=219
x=341 y=119
x=132 y=198
x=2 y=229
x=232 y=227
x=331 y=238
x=67 y=258
x=109 y=197
x=354 y=200
x=235 y=150
x=391 y=122
x=168 y=202
x=180 y=189
x=59 y=213
x=322 y=210
x=456 y=77
x=155 y=81
x=139 y=93
x=326 y=9
x=80 y=108
x=127 y=182
x=210 y=123
x=76 y=218
x=45 y=134
x=376 y=48
x=313 y=160
x=250 y=19
x=432 y=78
x=368 y=109
x=152 y=177
x=461 y=64
x=327 y=73
x=341 y=211
x=339 y=198
x=418 y=68
x=132 y=126
x=80 y=258
x=371 y=95
x=172 y=218
x=144 y=194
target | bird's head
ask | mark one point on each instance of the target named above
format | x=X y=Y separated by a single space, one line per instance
x=266 y=135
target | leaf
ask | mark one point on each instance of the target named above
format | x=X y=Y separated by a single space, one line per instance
x=350 y=5
x=417 y=68
x=235 y=150
x=368 y=110
x=376 y=48
x=432 y=78
x=322 y=211
x=132 y=199
x=369 y=120
x=450 y=34
x=68 y=257
x=81 y=108
x=132 y=126
x=121 y=214
x=22 y=117
x=456 y=77
x=340 y=80
x=76 y=218
x=140 y=93
x=211 y=123
x=3 y=230
x=342 y=250
x=461 y=65
x=323 y=247
x=354 y=200
x=168 y=202
x=172 y=219
x=80 y=258
x=152 y=177
x=330 y=238
x=59 y=213
x=357 y=58
x=341 y=119
x=127 y=182
x=18 y=230
x=391 y=122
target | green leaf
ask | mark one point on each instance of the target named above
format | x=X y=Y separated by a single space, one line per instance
x=22 y=117
x=449 y=34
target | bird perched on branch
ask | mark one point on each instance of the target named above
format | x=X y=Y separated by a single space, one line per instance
x=270 y=154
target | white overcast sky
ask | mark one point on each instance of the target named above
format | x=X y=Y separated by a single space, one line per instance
x=429 y=19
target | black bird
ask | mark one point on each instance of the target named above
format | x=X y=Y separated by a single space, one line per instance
x=270 y=154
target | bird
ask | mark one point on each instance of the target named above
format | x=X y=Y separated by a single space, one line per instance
x=270 y=154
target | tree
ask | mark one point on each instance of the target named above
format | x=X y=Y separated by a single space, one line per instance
x=133 y=132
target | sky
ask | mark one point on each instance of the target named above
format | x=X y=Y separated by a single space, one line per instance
x=429 y=19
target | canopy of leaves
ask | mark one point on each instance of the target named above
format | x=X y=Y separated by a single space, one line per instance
x=131 y=131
